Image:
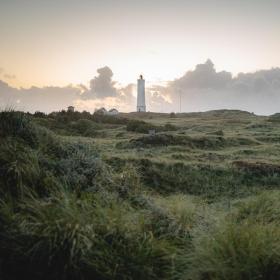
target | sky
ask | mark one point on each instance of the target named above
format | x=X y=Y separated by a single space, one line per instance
x=60 y=45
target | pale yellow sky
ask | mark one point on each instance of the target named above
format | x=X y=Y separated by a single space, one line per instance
x=61 y=42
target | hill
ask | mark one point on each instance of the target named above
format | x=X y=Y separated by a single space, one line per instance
x=97 y=197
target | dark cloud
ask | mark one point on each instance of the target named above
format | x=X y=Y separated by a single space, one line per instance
x=206 y=89
x=263 y=80
x=204 y=76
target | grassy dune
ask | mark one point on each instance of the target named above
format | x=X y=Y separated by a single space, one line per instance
x=95 y=197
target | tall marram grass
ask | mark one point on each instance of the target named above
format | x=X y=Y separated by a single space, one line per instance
x=233 y=251
x=67 y=214
x=97 y=236
x=18 y=125
x=19 y=167
x=245 y=245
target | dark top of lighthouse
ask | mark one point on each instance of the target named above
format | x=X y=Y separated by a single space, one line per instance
x=141 y=77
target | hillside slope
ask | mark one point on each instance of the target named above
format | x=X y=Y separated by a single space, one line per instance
x=94 y=197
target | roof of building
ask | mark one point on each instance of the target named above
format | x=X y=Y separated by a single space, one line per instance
x=113 y=110
x=101 y=109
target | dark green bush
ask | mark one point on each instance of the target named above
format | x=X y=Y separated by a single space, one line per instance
x=19 y=168
x=144 y=127
x=85 y=127
x=170 y=139
x=203 y=142
x=17 y=125
x=139 y=126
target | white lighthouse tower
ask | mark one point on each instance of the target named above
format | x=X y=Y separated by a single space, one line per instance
x=141 y=105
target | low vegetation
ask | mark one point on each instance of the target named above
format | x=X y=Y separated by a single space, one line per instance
x=86 y=196
x=144 y=127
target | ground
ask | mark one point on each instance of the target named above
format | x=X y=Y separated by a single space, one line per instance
x=96 y=197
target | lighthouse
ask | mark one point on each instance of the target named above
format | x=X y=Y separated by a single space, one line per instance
x=141 y=105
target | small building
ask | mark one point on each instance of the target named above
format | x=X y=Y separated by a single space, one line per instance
x=71 y=109
x=113 y=112
x=101 y=111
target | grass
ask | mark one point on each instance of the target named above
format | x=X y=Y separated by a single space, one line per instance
x=234 y=251
x=89 y=197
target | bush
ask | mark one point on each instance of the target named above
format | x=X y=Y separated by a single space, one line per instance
x=17 y=124
x=144 y=127
x=172 y=140
x=258 y=168
x=85 y=127
x=139 y=126
x=19 y=169
x=82 y=168
x=203 y=142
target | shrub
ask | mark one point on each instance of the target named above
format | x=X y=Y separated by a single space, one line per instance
x=19 y=168
x=85 y=127
x=203 y=142
x=17 y=124
x=39 y=114
x=139 y=126
x=99 y=118
x=172 y=140
x=144 y=127
x=82 y=169
x=258 y=168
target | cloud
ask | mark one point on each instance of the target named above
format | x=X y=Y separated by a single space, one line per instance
x=100 y=93
x=204 y=77
x=201 y=89
x=206 y=89
x=46 y=99
x=122 y=100
x=102 y=85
